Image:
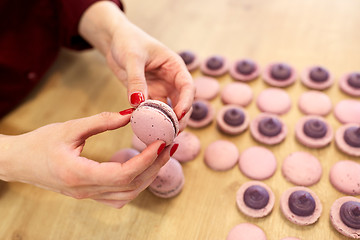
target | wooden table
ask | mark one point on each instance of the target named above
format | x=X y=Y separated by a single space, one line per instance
x=299 y=32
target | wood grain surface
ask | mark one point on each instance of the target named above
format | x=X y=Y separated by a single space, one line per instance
x=299 y=32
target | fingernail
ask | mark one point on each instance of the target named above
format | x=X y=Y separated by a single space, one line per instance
x=161 y=148
x=136 y=98
x=127 y=111
x=182 y=115
x=173 y=149
x=179 y=133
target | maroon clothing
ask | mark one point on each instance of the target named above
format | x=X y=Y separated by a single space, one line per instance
x=31 y=35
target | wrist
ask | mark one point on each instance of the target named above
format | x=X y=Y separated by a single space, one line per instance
x=6 y=164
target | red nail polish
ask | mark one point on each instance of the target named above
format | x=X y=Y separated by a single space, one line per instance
x=127 y=111
x=173 y=149
x=178 y=133
x=182 y=115
x=161 y=148
x=136 y=98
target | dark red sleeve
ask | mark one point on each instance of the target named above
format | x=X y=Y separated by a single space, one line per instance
x=70 y=14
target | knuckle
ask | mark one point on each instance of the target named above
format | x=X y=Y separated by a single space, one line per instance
x=69 y=179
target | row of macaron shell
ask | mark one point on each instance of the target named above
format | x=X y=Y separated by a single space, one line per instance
x=278 y=74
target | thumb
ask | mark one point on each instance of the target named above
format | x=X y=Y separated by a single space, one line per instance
x=137 y=87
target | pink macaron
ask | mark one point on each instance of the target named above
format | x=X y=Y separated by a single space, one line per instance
x=268 y=129
x=221 y=155
x=347 y=139
x=279 y=75
x=215 y=66
x=137 y=144
x=189 y=147
x=246 y=231
x=347 y=111
x=302 y=169
x=274 y=100
x=350 y=84
x=237 y=93
x=317 y=77
x=154 y=120
x=169 y=181
x=202 y=114
x=255 y=199
x=315 y=103
x=345 y=177
x=124 y=155
x=300 y=205
x=232 y=119
x=313 y=132
x=207 y=88
x=344 y=216
x=190 y=59
x=244 y=70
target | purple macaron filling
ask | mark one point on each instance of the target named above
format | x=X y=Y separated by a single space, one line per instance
x=256 y=197
x=352 y=136
x=319 y=74
x=187 y=56
x=302 y=203
x=270 y=127
x=350 y=214
x=215 y=62
x=199 y=112
x=245 y=67
x=354 y=80
x=234 y=117
x=280 y=71
x=315 y=128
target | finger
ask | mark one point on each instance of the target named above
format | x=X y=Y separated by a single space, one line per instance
x=137 y=87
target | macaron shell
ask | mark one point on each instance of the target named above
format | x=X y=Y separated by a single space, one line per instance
x=302 y=168
x=299 y=220
x=313 y=142
x=137 y=144
x=275 y=83
x=207 y=120
x=215 y=73
x=237 y=93
x=348 y=111
x=246 y=231
x=221 y=155
x=228 y=129
x=346 y=88
x=242 y=77
x=189 y=147
x=345 y=177
x=336 y=219
x=256 y=134
x=255 y=213
x=169 y=181
x=342 y=145
x=257 y=163
x=123 y=155
x=274 y=100
x=306 y=80
x=207 y=88
x=150 y=124
x=315 y=103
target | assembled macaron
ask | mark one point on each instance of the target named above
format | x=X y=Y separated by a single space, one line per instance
x=350 y=84
x=279 y=75
x=317 y=77
x=154 y=120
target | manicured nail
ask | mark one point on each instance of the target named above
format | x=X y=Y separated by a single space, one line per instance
x=179 y=133
x=182 y=115
x=136 y=98
x=161 y=148
x=173 y=149
x=127 y=111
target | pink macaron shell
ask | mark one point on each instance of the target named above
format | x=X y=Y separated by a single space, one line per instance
x=258 y=136
x=242 y=77
x=189 y=147
x=255 y=213
x=336 y=219
x=346 y=88
x=207 y=88
x=345 y=177
x=246 y=231
x=306 y=80
x=302 y=169
x=299 y=220
x=342 y=145
x=348 y=111
x=214 y=73
x=228 y=129
x=274 y=100
x=221 y=155
x=257 y=163
x=124 y=155
x=315 y=103
x=313 y=142
x=276 y=83
x=169 y=181
x=137 y=144
x=237 y=93
x=206 y=121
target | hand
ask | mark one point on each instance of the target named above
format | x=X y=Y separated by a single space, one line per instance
x=49 y=157
x=144 y=65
